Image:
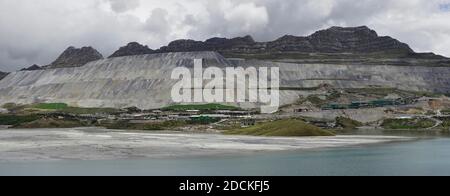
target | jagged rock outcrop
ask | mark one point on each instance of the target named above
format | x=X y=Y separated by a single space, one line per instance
x=75 y=57
x=184 y=45
x=3 y=75
x=332 y=40
x=32 y=68
x=355 y=40
x=213 y=44
x=131 y=49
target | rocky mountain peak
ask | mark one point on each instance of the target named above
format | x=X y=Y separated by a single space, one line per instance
x=346 y=33
x=244 y=40
x=287 y=38
x=3 y=75
x=76 y=57
x=355 y=40
x=32 y=68
x=133 y=48
x=184 y=45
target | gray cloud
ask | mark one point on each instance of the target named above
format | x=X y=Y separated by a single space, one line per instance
x=121 y=6
x=36 y=31
x=445 y=7
x=39 y=32
x=157 y=25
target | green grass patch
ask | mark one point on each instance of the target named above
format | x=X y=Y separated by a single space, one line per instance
x=299 y=88
x=64 y=108
x=380 y=91
x=160 y=126
x=203 y=120
x=50 y=106
x=316 y=100
x=12 y=107
x=407 y=123
x=15 y=120
x=284 y=128
x=51 y=123
x=446 y=124
x=76 y=110
x=154 y=126
x=348 y=123
x=203 y=107
x=446 y=112
x=319 y=102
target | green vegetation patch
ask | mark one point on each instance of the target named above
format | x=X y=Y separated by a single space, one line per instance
x=50 y=106
x=446 y=124
x=408 y=123
x=380 y=91
x=285 y=128
x=348 y=123
x=320 y=102
x=316 y=100
x=76 y=110
x=204 y=107
x=160 y=126
x=15 y=120
x=51 y=123
x=12 y=106
x=446 y=111
x=64 y=108
x=203 y=120
x=154 y=126
x=299 y=88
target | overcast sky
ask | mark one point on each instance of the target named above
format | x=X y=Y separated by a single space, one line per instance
x=37 y=31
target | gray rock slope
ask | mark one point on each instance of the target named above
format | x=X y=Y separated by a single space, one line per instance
x=144 y=80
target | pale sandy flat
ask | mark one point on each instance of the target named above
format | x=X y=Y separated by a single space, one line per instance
x=102 y=144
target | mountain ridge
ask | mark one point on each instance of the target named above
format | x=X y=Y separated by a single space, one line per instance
x=350 y=45
x=334 y=40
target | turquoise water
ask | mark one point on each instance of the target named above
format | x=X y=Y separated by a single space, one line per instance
x=422 y=157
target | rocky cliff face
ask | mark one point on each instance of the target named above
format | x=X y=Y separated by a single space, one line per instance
x=354 y=40
x=75 y=57
x=214 y=44
x=131 y=49
x=332 y=40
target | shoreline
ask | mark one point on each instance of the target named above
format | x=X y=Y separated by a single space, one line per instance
x=22 y=145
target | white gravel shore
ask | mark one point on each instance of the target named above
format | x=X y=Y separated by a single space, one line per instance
x=102 y=144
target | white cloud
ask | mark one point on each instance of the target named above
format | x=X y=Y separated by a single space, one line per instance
x=247 y=17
